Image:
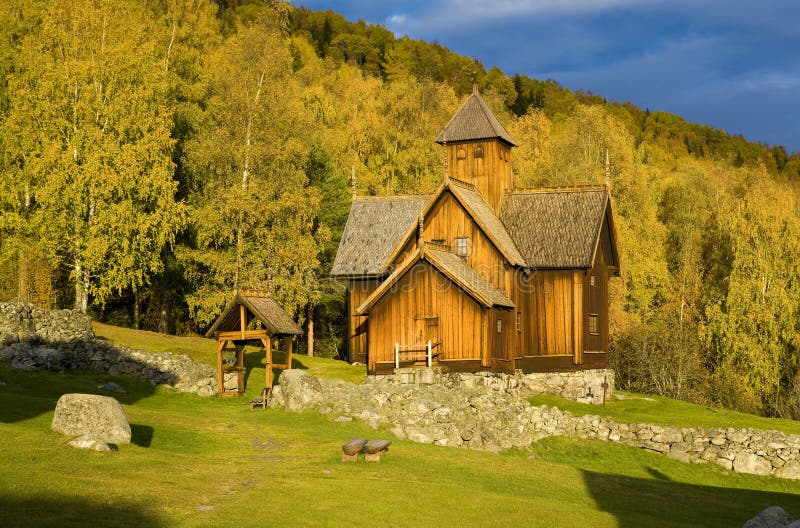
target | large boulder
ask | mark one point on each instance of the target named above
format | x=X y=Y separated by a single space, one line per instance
x=300 y=391
x=772 y=517
x=101 y=417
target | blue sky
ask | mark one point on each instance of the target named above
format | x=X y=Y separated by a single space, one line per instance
x=731 y=64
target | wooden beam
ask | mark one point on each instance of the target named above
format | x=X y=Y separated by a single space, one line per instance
x=268 y=349
x=220 y=378
x=247 y=335
x=577 y=316
x=242 y=318
x=240 y=368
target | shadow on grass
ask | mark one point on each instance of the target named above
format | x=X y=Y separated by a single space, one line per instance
x=141 y=435
x=639 y=502
x=255 y=359
x=28 y=394
x=69 y=512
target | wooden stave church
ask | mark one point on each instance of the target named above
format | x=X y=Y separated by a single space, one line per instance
x=479 y=276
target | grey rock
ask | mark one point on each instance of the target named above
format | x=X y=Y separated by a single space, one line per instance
x=276 y=401
x=99 y=416
x=668 y=436
x=772 y=517
x=751 y=463
x=679 y=454
x=789 y=471
x=89 y=442
x=112 y=387
x=301 y=391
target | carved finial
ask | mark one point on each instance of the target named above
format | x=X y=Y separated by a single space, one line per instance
x=353 y=180
x=475 y=88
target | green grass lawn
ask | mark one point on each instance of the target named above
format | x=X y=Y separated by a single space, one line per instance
x=665 y=411
x=208 y=462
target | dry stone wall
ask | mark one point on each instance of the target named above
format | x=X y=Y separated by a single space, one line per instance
x=35 y=339
x=27 y=323
x=495 y=416
x=585 y=386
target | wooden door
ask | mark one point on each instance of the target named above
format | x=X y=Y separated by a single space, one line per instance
x=500 y=329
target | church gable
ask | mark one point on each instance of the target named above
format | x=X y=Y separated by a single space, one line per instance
x=450 y=226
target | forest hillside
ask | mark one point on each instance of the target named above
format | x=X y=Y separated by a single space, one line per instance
x=156 y=154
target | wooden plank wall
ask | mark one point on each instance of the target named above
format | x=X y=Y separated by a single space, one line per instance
x=357 y=292
x=424 y=292
x=547 y=302
x=447 y=221
x=490 y=174
x=595 y=299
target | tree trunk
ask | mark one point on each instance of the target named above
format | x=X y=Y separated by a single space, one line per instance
x=136 y=314
x=310 y=331
x=23 y=288
x=81 y=288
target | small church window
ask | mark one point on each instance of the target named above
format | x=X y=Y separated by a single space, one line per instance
x=478 y=152
x=591 y=280
x=519 y=321
x=461 y=154
x=462 y=247
x=499 y=326
x=593 y=324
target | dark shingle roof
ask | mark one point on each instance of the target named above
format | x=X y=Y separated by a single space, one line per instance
x=469 y=279
x=474 y=121
x=264 y=308
x=376 y=226
x=489 y=222
x=272 y=314
x=556 y=228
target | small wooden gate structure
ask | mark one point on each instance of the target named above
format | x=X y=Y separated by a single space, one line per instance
x=251 y=318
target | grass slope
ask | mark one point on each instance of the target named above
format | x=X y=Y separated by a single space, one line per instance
x=205 y=350
x=202 y=462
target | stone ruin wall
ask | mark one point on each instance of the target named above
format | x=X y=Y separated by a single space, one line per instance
x=491 y=413
x=36 y=339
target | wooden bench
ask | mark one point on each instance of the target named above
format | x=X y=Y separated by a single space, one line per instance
x=352 y=449
x=262 y=400
x=374 y=449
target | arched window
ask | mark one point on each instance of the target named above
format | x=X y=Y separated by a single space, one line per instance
x=478 y=152
x=461 y=154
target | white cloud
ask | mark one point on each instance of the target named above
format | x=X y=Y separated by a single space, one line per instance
x=396 y=20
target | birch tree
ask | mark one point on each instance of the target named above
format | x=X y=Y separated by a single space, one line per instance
x=253 y=210
x=87 y=108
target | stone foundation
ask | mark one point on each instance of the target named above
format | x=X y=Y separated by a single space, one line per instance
x=585 y=386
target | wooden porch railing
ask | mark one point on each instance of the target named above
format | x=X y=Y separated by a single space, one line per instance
x=413 y=350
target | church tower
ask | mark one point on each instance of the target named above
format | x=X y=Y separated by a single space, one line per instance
x=478 y=150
